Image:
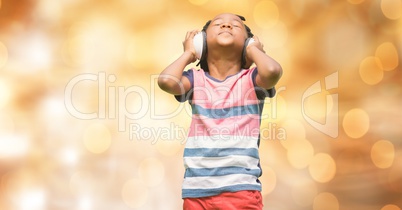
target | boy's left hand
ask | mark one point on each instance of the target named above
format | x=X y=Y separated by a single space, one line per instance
x=258 y=45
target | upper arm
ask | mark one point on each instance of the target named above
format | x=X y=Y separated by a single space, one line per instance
x=268 y=81
x=174 y=85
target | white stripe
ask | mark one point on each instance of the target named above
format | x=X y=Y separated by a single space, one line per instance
x=218 y=181
x=222 y=141
x=227 y=161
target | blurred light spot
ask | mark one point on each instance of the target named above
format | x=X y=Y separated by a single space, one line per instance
x=319 y=105
x=80 y=182
x=371 y=70
x=355 y=1
x=3 y=54
x=135 y=193
x=35 y=52
x=236 y=6
x=69 y=156
x=54 y=107
x=5 y=92
x=198 y=2
x=304 y=192
x=300 y=153
x=49 y=10
x=168 y=147
x=392 y=9
x=85 y=203
x=395 y=177
x=322 y=168
x=269 y=180
x=326 y=201
x=295 y=131
x=32 y=199
x=275 y=37
x=388 y=56
x=7 y=125
x=383 y=153
x=390 y=207
x=151 y=171
x=13 y=145
x=97 y=138
x=97 y=44
x=146 y=8
x=298 y=7
x=274 y=110
x=356 y=123
x=266 y=14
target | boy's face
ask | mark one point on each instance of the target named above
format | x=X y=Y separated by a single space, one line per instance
x=226 y=30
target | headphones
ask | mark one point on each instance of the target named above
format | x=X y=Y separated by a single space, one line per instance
x=200 y=45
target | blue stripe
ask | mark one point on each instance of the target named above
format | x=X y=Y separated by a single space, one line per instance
x=220 y=171
x=196 y=193
x=226 y=112
x=220 y=152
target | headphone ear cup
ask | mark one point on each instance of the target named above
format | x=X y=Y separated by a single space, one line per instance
x=204 y=45
x=200 y=45
x=244 y=52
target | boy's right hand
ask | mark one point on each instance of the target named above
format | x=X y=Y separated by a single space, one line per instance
x=189 y=46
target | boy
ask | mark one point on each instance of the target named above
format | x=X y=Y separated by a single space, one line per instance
x=221 y=153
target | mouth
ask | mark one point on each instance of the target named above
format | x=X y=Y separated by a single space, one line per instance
x=225 y=32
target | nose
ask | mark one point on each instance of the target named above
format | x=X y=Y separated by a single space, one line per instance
x=226 y=25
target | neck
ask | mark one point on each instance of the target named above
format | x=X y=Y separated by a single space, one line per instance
x=223 y=64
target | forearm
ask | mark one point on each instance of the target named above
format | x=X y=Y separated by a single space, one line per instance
x=269 y=70
x=169 y=79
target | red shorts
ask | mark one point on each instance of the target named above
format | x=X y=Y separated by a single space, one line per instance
x=246 y=199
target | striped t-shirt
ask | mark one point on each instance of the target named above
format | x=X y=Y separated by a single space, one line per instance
x=221 y=152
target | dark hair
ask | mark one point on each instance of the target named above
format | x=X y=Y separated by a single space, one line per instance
x=203 y=63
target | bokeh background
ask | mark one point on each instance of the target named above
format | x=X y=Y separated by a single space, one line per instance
x=84 y=126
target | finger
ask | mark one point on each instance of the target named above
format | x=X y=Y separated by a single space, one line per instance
x=256 y=38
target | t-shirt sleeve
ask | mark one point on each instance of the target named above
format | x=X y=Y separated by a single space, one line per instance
x=188 y=95
x=262 y=92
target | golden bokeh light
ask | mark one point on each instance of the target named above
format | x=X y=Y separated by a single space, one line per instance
x=383 y=154
x=394 y=177
x=3 y=55
x=198 y=2
x=236 y=6
x=151 y=171
x=80 y=182
x=318 y=106
x=356 y=123
x=5 y=92
x=269 y=179
x=300 y=153
x=392 y=9
x=266 y=14
x=295 y=131
x=327 y=201
x=135 y=193
x=390 y=207
x=322 y=168
x=168 y=147
x=355 y=1
x=304 y=192
x=275 y=110
x=14 y=146
x=371 y=70
x=275 y=37
x=97 y=138
x=388 y=56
